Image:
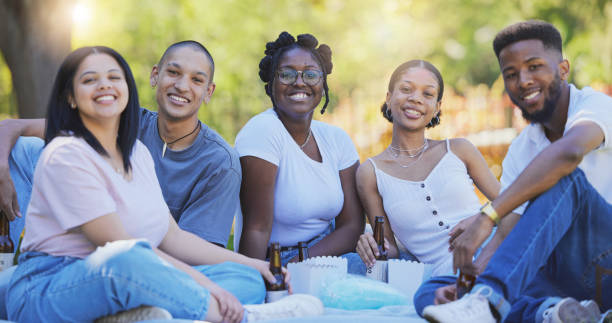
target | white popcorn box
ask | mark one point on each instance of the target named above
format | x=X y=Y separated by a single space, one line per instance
x=378 y=271
x=308 y=276
x=405 y=275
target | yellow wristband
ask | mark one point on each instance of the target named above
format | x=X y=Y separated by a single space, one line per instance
x=489 y=211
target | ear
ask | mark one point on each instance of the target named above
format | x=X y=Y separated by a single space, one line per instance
x=71 y=102
x=437 y=110
x=209 y=92
x=388 y=99
x=564 y=69
x=154 y=76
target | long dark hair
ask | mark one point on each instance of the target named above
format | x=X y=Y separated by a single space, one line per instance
x=62 y=120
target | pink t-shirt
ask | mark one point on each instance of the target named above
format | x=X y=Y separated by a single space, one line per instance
x=73 y=185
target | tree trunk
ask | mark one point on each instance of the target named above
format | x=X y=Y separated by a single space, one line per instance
x=34 y=39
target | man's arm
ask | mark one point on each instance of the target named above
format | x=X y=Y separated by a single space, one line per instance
x=554 y=162
x=549 y=166
x=503 y=229
x=10 y=131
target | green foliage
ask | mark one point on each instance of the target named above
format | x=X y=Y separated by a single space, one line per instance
x=7 y=99
x=368 y=39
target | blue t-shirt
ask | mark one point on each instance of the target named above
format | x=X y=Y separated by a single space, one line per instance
x=201 y=184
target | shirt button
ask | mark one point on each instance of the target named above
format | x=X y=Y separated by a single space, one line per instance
x=428 y=198
x=440 y=223
x=447 y=227
x=435 y=212
x=422 y=185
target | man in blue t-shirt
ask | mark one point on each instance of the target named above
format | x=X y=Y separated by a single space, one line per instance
x=199 y=173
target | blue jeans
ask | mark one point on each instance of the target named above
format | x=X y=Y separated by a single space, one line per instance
x=564 y=234
x=534 y=295
x=22 y=162
x=426 y=293
x=119 y=276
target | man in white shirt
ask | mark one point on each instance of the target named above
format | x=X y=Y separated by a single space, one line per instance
x=557 y=174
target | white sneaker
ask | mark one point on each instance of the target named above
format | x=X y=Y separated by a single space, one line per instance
x=296 y=305
x=470 y=308
x=606 y=317
x=137 y=314
x=569 y=310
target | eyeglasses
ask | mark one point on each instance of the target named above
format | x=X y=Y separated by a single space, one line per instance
x=288 y=76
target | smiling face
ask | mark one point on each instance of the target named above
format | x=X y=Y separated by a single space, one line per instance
x=533 y=77
x=414 y=99
x=183 y=83
x=299 y=99
x=100 y=91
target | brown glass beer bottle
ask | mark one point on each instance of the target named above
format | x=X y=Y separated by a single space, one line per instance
x=302 y=251
x=465 y=282
x=276 y=290
x=379 y=236
x=7 y=247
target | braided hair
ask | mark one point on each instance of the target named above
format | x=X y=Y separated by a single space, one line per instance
x=284 y=42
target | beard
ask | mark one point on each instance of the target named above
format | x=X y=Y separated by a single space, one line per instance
x=550 y=103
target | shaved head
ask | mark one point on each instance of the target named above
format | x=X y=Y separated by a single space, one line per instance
x=195 y=46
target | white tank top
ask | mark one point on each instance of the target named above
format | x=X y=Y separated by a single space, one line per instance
x=422 y=213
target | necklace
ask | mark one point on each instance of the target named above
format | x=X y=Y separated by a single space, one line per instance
x=419 y=155
x=175 y=140
x=410 y=152
x=307 y=139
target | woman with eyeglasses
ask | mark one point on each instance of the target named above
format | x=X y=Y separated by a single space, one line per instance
x=298 y=174
x=422 y=187
x=100 y=239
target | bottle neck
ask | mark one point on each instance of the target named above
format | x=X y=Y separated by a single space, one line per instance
x=379 y=237
x=4 y=225
x=379 y=233
x=275 y=262
x=303 y=254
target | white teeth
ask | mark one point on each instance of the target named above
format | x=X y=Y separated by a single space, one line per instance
x=105 y=98
x=413 y=112
x=531 y=96
x=298 y=96
x=178 y=98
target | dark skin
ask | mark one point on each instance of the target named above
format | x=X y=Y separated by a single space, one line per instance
x=413 y=102
x=295 y=104
x=528 y=69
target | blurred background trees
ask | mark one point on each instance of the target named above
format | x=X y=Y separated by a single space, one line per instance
x=369 y=38
x=34 y=39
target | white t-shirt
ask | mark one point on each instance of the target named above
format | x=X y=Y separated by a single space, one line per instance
x=585 y=104
x=73 y=185
x=307 y=194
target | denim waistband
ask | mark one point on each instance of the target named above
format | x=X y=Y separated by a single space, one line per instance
x=294 y=247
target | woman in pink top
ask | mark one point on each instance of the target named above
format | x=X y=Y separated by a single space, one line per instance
x=422 y=187
x=100 y=238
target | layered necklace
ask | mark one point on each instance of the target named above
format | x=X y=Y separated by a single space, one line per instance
x=176 y=140
x=410 y=153
x=307 y=138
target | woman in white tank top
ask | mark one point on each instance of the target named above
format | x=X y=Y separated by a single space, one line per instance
x=422 y=187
